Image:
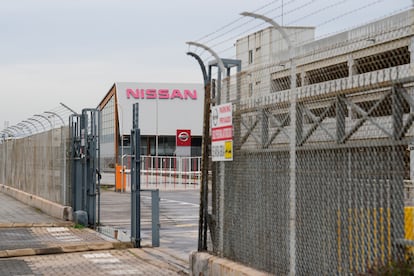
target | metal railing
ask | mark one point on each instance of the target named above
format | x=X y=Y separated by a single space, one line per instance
x=175 y=171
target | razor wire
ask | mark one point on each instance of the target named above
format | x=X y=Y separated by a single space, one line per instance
x=37 y=123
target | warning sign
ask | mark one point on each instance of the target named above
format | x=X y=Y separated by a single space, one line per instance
x=222 y=133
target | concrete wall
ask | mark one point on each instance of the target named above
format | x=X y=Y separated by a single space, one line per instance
x=38 y=165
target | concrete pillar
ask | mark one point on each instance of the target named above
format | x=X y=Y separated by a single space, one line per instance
x=352 y=70
x=411 y=146
x=303 y=78
x=411 y=49
x=352 y=66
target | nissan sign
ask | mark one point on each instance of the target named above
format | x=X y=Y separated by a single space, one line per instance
x=183 y=138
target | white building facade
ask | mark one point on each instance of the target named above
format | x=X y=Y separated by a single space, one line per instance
x=164 y=108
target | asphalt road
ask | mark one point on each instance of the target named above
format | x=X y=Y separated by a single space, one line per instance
x=178 y=217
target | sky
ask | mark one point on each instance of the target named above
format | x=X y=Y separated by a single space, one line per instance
x=72 y=51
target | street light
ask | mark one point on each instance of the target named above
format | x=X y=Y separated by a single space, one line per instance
x=292 y=142
x=204 y=189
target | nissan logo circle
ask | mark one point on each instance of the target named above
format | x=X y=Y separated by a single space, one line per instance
x=183 y=136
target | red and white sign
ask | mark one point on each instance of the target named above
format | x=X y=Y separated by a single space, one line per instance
x=183 y=138
x=222 y=132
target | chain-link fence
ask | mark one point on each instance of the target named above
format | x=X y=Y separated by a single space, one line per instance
x=320 y=182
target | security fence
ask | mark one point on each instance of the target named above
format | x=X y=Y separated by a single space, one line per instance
x=38 y=164
x=316 y=185
x=33 y=155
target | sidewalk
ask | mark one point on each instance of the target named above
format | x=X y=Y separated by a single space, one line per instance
x=33 y=243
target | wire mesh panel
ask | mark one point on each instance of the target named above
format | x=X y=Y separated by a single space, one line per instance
x=255 y=229
x=350 y=210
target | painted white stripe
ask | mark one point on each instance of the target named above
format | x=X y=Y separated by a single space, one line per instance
x=174 y=201
x=125 y=272
x=105 y=261
x=57 y=229
x=97 y=255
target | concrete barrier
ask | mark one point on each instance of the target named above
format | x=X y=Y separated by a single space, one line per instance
x=46 y=206
x=202 y=263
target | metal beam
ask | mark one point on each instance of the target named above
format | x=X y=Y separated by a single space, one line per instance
x=214 y=54
x=70 y=109
x=202 y=66
x=271 y=22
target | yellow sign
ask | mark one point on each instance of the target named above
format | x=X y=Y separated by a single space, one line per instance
x=228 y=150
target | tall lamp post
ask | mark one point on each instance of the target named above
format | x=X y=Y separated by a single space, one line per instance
x=206 y=132
x=202 y=232
x=292 y=138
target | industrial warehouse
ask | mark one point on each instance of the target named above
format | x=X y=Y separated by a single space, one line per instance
x=164 y=108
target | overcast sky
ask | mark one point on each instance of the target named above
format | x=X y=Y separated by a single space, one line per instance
x=72 y=51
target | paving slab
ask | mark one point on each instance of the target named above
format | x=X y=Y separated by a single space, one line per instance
x=52 y=240
x=13 y=211
x=107 y=262
x=15 y=267
x=34 y=243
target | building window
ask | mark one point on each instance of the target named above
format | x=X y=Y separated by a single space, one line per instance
x=328 y=73
x=250 y=56
x=281 y=84
x=250 y=89
x=392 y=58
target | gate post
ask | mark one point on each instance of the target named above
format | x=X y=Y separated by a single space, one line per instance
x=135 y=178
x=85 y=162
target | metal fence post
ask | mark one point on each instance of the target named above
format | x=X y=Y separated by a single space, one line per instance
x=135 y=179
x=292 y=169
x=155 y=204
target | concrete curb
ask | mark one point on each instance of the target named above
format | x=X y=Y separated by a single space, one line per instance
x=51 y=208
x=31 y=225
x=159 y=261
x=96 y=246
x=202 y=263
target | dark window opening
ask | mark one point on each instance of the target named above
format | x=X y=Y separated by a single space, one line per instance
x=383 y=60
x=328 y=73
